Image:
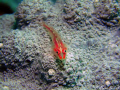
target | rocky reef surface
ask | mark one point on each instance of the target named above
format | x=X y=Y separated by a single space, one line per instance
x=89 y=28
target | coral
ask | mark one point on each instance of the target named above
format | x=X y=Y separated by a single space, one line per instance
x=77 y=14
x=11 y=56
x=28 y=12
x=92 y=60
x=106 y=13
x=5 y=27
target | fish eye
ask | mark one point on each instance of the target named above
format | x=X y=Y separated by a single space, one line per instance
x=57 y=52
x=65 y=51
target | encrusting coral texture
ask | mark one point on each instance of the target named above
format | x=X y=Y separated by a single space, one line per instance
x=27 y=61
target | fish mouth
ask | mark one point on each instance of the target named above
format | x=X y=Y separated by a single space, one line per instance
x=61 y=57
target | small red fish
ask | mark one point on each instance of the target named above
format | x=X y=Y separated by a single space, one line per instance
x=59 y=47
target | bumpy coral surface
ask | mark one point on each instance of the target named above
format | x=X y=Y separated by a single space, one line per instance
x=107 y=13
x=27 y=61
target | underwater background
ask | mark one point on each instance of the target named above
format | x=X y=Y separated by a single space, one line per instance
x=89 y=28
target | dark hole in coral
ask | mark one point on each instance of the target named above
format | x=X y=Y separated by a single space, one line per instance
x=25 y=23
x=18 y=24
x=28 y=61
x=11 y=67
x=116 y=53
x=17 y=61
x=54 y=1
x=5 y=9
x=43 y=76
x=50 y=81
x=70 y=83
x=3 y=67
